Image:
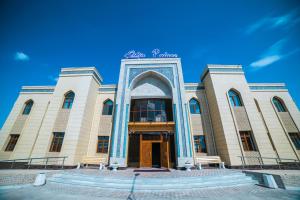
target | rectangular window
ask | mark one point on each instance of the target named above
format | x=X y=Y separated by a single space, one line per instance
x=57 y=141
x=295 y=137
x=247 y=141
x=12 y=142
x=200 y=144
x=102 y=145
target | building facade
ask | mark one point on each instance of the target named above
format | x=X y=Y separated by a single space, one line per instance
x=152 y=118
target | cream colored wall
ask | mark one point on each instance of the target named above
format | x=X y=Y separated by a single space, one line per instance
x=288 y=122
x=241 y=118
x=278 y=131
x=220 y=139
x=87 y=121
x=61 y=121
x=79 y=122
x=218 y=84
x=102 y=124
x=201 y=123
x=25 y=125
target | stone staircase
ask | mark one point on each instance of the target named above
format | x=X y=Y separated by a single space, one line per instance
x=139 y=183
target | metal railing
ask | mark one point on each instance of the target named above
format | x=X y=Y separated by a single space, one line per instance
x=261 y=161
x=46 y=161
x=149 y=116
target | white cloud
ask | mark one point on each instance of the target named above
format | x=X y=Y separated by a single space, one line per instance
x=272 y=55
x=266 y=61
x=20 y=56
x=286 y=21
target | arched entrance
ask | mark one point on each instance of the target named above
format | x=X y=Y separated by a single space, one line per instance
x=151 y=125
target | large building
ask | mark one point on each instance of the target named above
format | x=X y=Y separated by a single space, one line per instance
x=152 y=118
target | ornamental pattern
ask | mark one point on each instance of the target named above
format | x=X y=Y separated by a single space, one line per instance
x=166 y=71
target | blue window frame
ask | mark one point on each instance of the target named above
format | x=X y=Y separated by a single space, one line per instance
x=102 y=144
x=279 y=105
x=27 y=108
x=57 y=141
x=195 y=106
x=68 y=102
x=108 y=107
x=295 y=137
x=200 y=144
x=234 y=98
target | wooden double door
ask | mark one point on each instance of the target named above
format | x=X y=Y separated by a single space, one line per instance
x=154 y=150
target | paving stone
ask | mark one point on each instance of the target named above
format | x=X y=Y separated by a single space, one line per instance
x=66 y=192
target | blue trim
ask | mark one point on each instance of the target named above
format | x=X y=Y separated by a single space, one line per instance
x=107 y=89
x=189 y=131
x=176 y=129
x=38 y=90
x=180 y=109
x=192 y=88
x=83 y=72
x=225 y=69
x=113 y=134
x=267 y=87
x=121 y=112
x=126 y=131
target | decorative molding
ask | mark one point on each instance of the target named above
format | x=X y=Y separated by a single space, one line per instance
x=37 y=89
x=104 y=89
x=66 y=71
x=180 y=109
x=193 y=88
x=262 y=86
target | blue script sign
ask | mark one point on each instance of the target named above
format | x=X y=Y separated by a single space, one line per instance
x=155 y=54
x=134 y=54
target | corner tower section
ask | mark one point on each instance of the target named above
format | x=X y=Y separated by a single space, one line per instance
x=235 y=118
x=68 y=119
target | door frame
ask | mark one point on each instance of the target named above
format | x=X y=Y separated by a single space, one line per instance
x=161 y=141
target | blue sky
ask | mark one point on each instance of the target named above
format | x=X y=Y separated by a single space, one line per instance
x=37 y=38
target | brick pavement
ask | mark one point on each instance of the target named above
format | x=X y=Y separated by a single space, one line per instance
x=66 y=192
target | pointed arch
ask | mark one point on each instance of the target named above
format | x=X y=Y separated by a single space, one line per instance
x=194 y=106
x=235 y=98
x=150 y=84
x=108 y=106
x=148 y=73
x=68 y=101
x=279 y=104
x=27 y=107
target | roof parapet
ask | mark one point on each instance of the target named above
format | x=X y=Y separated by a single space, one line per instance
x=71 y=71
x=37 y=89
x=222 y=69
x=267 y=87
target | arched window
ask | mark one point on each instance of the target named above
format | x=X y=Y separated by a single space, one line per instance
x=234 y=98
x=68 y=102
x=108 y=106
x=194 y=106
x=27 y=108
x=279 y=105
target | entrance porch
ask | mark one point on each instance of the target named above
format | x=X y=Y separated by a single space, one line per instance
x=151 y=149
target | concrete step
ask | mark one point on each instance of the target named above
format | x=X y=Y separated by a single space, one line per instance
x=108 y=179
x=152 y=184
x=158 y=187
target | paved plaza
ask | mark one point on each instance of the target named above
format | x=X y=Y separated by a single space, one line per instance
x=19 y=188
